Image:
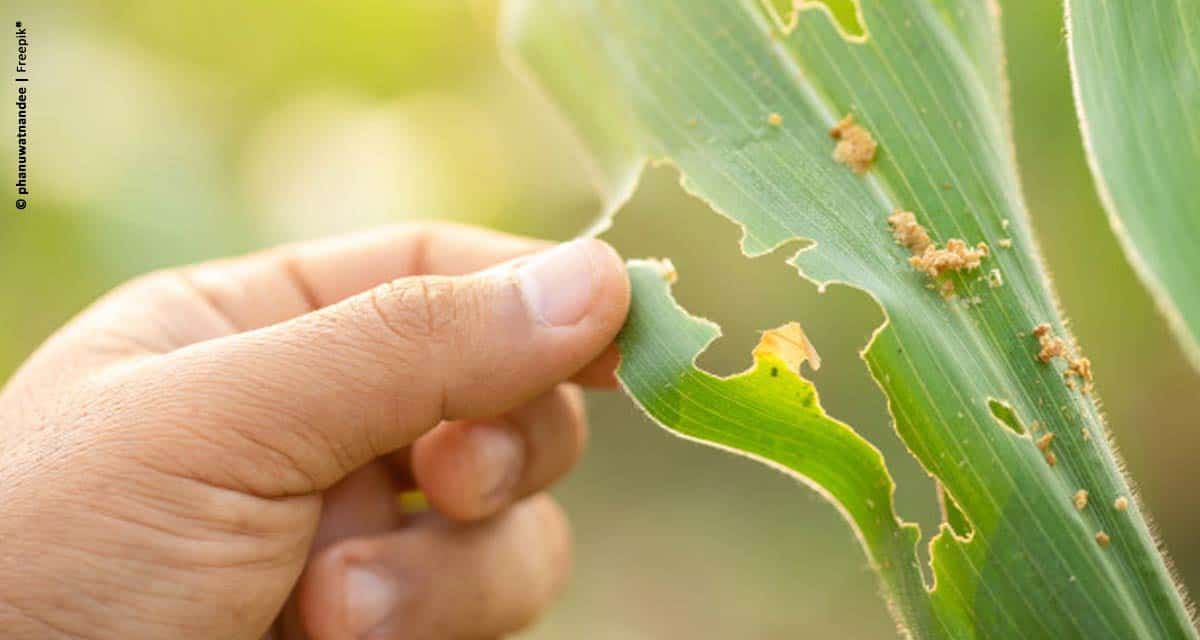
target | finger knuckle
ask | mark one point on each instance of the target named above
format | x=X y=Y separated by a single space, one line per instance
x=156 y=284
x=415 y=308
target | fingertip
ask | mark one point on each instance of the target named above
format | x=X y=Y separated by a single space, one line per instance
x=361 y=586
x=577 y=285
x=614 y=297
x=440 y=579
x=469 y=470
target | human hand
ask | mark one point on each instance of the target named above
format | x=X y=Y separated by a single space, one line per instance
x=216 y=451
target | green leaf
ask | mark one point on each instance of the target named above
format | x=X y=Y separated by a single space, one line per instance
x=768 y=413
x=1136 y=65
x=696 y=84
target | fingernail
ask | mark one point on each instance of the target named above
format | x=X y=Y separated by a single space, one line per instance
x=370 y=599
x=558 y=284
x=499 y=457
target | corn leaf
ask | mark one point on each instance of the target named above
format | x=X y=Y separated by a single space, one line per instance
x=1136 y=65
x=741 y=96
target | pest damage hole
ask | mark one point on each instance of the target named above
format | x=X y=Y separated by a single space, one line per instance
x=1005 y=415
x=952 y=514
x=843 y=13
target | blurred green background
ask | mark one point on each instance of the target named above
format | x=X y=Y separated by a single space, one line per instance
x=169 y=132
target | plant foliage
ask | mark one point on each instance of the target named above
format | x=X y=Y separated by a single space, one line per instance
x=1136 y=65
x=985 y=385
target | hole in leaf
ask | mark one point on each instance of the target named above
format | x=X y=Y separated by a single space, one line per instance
x=781 y=10
x=746 y=296
x=1005 y=415
x=952 y=514
x=843 y=13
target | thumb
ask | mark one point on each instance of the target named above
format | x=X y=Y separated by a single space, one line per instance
x=326 y=392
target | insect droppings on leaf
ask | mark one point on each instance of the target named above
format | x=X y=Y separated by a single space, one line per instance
x=774 y=119
x=1080 y=499
x=1052 y=346
x=994 y=279
x=957 y=256
x=907 y=232
x=1081 y=367
x=856 y=147
x=1121 y=503
x=1043 y=444
x=1102 y=538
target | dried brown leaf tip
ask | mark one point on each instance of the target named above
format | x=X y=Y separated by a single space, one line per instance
x=1102 y=538
x=774 y=119
x=1121 y=503
x=856 y=147
x=789 y=344
x=1052 y=345
x=1080 y=499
